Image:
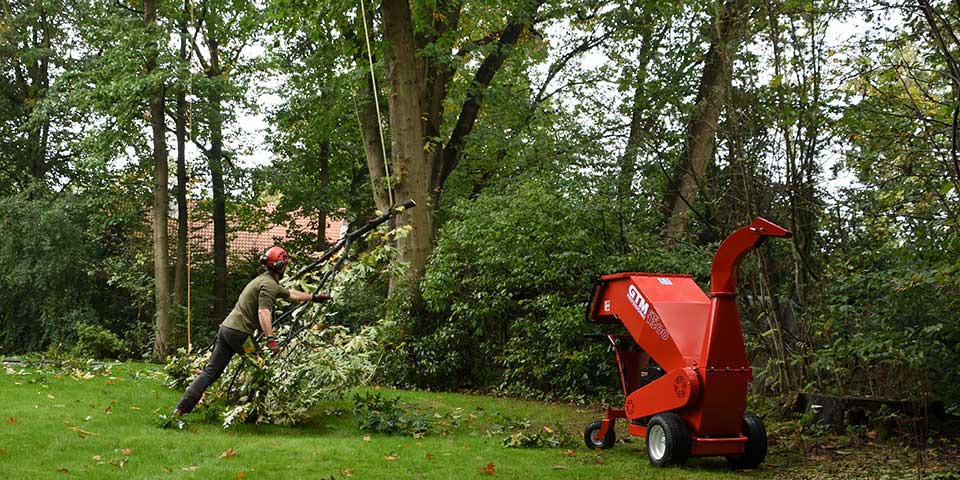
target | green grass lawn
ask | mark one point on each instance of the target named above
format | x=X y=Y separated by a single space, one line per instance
x=105 y=426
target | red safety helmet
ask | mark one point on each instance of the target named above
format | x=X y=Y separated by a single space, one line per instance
x=275 y=258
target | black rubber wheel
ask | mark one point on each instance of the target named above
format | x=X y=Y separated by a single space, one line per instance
x=593 y=442
x=756 y=448
x=668 y=441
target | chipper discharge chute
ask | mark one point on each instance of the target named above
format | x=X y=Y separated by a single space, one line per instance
x=683 y=365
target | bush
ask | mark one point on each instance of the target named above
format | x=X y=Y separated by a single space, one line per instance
x=42 y=272
x=94 y=341
x=181 y=368
x=509 y=283
x=379 y=414
x=76 y=258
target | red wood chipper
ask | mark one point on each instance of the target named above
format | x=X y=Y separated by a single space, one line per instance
x=683 y=365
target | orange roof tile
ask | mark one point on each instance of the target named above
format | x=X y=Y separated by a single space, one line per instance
x=240 y=242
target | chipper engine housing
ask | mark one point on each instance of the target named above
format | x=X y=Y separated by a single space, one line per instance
x=683 y=366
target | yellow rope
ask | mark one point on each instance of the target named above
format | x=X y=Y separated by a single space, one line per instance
x=376 y=103
x=193 y=23
x=187 y=197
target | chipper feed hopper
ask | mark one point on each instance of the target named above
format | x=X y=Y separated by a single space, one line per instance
x=683 y=365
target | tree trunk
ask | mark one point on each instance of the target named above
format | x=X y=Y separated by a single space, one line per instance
x=38 y=69
x=160 y=196
x=180 y=274
x=406 y=81
x=640 y=121
x=418 y=88
x=370 y=131
x=219 y=191
x=690 y=174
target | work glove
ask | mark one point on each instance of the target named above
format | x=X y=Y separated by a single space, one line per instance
x=319 y=297
x=273 y=345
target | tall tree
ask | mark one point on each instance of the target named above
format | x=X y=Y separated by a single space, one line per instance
x=220 y=34
x=726 y=32
x=161 y=201
x=419 y=76
x=642 y=112
x=34 y=131
x=180 y=130
x=214 y=71
x=370 y=127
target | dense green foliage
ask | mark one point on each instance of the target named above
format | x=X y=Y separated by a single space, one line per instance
x=38 y=275
x=517 y=285
x=562 y=146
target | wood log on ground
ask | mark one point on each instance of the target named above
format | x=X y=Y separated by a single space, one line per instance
x=886 y=416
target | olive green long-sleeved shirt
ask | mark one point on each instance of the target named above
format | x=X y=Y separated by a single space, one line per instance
x=261 y=292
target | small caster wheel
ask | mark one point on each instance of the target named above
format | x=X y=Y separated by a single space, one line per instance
x=593 y=441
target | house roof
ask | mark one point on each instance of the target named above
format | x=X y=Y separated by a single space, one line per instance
x=243 y=241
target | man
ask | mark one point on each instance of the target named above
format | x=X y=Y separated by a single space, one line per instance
x=253 y=311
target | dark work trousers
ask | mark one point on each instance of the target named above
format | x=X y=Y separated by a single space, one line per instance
x=229 y=343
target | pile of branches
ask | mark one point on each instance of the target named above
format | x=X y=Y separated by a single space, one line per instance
x=324 y=365
x=316 y=362
x=320 y=363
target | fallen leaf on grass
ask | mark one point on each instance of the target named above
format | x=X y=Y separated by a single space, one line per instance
x=66 y=421
x=63 y=470
x=83 y=433
x=366 y=438
x=560 y=467
x=570 y=453
x=228 y=453
x=189 y=468
x=547 y=429
x=97 y=458
x=50 y=396
x=135 y=408
x=126 y=451
x=119 y=463
x=390 y=457
x=167 y=469
x=489 y=469
x=12 y=421
x=111 y=382
x=240 y=476
x=346 y=472
x=429 y=456
x=108 y=410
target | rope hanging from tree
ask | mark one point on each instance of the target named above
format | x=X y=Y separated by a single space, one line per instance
x=193 y=23
x=376 y=103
